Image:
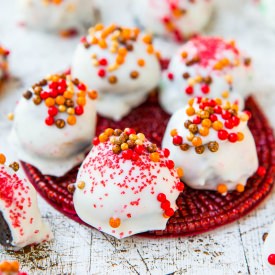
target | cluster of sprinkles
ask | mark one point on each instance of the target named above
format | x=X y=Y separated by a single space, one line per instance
x=3 y=61
x=10 y=267
x=120 y=42
x=207 y=55
x=61 y=94
x=54 y=2
x=14 y=166
x=132 y=146
x=174 y=14
x=210 y=114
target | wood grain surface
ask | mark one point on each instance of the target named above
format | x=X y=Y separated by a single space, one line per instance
x=234 y=249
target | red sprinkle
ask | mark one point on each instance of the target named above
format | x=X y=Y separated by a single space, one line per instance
x=161 y=197
x=169 y=212
x=205 y=89
x=49 y=120
x=170 y=76
x=177 y=140
x=271 y=259
x=180 y=186
x=233 y=137
x=101 y=73
x=52 y=111
x=79 y=110
x=170 y=164
x=166 y=152
x=189 y=90
x=96 y=141
x=223 y=134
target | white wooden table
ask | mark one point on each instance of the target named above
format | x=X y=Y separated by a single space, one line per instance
x=233 y=249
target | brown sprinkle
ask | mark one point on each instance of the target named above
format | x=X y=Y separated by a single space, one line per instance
x=112 y=79
x=186 y=75
x=152 y=148
x=60 y=123
x=199 y=149
x=213 y=146
x=14 y=166
x=27 y=95
x=116 y=149
x=184 y=147
x=37 y=100
x=193 y=128
x=134 y=74
x=187 y=123
x=117 y=132
x=71 y=188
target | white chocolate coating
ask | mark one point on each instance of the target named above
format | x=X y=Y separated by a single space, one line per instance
x=232 y=164
x=269 y=248
x=18 y=205
x=268 y=10
x=46 y=15
x=124 y=189
x=233 y=79
x=119 y=13
x=116 y=100
x=52 y=150
x=186 y=19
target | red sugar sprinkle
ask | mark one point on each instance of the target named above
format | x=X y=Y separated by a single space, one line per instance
x=271 y=259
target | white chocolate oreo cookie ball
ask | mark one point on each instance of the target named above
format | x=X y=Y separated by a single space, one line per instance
x=20 y=219
x=213 y=143
x=57 y=15
x=126 y=185
x=121 y=64
x=3 y=63
x=269 y=249
x=206 y=66
x=174 y=19
x=54 y=124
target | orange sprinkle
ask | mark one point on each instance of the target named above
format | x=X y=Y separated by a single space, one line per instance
x=68 y=95
x=120 y=59
x=71 y=120
x=206 y=123
x=180 y=172
x=99 y=27
x=222 y=188
x=81 y=101
x=50 y=102
x=240 y=136
x=155 y=157
x=103 y=137
x=60 y=100
x=2 y=159
x=147 y=39
x=150 y=49
x=102 y=44
x=240 y=188
x=184 y=54
x=204 y=131
x=191 y=101
x=217 y=125
x=197 y=141
x=93 y=94
x=109 y=131
x=141 y=62
x=122 y=51
x=190 y=111
x=94 y=40
x=9 y=266
x=115 y=222
x=173 y=132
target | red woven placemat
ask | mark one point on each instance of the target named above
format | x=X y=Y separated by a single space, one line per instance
x=199 y=211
